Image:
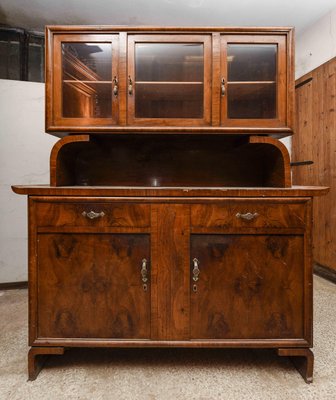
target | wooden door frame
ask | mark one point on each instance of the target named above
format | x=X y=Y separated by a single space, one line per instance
x=206 y=40
x=54 y=94
x=281 y=83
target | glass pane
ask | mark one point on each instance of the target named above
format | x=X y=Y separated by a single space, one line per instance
x=251 y=100
x=251 y=62
x=88 y=61
x=87 y=80
x=181 y=62
x=169 y=100
x=169 y=80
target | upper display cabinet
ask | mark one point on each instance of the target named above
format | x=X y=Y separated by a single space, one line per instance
x=197 y=80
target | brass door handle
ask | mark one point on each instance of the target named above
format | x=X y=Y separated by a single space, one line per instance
x=195 y=272
x=93 y=215
x=115 y=86
x=130 y=85
x=144 y=273
x=248 y=216
x=223 y=87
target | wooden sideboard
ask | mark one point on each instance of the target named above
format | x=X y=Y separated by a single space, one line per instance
x=170 y=219
x=150 y=267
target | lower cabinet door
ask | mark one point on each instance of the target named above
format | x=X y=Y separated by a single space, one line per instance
x=90 y=286
x=247 y=286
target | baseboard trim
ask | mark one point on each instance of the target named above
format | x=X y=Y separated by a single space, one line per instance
x=325 y=272
x=13 y=285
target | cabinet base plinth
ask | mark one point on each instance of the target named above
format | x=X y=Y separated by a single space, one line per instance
x=303 y=360
x=37 y=356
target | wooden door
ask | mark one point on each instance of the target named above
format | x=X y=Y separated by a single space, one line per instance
x=84 y=81
x=169 y=80
x=90 y=286
x=253 y=81
x=315 y=140
x=248 y=287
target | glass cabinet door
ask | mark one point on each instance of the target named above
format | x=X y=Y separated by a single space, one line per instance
x=169 y=79
x=85 y=80
x=253 y=81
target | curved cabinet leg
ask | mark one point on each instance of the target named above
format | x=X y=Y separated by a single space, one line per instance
x=37 y=356
x=303 y=360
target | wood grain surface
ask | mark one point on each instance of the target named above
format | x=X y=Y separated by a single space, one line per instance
x=89 y=286
x=170 y=272
x=250 y=286
x=315 y=140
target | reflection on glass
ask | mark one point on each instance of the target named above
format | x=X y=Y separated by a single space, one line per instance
x=169 y=101
x=251 y=62
x=180 y=62
x=169 y=80
x=87 y=76
x=86 y=100
x=256 y=101
x=251 y=86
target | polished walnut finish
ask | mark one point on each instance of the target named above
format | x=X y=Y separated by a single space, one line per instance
x=258 y=277
x=245 y=214
x=154 y=79
x=37 y=356
x=92 y=271
x=77 y=214
x=303 y=359
x=253 y=256
x=186 y=238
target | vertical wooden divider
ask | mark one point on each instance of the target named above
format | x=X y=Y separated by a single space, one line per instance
x=170 y=272
x=216 y=99
x=122 y=78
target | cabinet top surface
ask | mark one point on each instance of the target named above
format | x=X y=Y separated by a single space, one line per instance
x=125 y=191
x=263 y=29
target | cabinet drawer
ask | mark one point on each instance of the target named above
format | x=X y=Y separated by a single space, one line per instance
x=86 y=214
x=237 y=214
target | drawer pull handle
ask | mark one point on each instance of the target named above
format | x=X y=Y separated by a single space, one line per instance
x=196 y=271
x=93 y=214
x=248 y=216
x=144 y=273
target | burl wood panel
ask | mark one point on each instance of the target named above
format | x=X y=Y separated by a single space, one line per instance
x=250 y=286
x=315 y=140
x=57 y=214
x=170 y=272
x=89 y=286
x=268 y=214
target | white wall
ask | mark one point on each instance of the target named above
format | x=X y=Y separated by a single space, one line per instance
x=24 y=159
x=316 y=44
